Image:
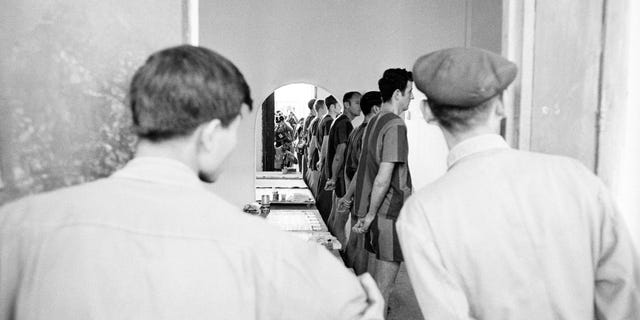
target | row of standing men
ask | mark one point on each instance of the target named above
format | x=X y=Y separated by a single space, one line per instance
x=338 y=163
x=504 y=234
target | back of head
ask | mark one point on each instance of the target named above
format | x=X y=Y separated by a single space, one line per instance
x=180 y=88
x=369 y=100
x=347 y=96
x=311 y=103
x=330 y=100
x=392 y=80
x=462 y=84
x=319 y=106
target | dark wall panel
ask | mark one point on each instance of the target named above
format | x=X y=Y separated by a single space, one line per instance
x=64 y=71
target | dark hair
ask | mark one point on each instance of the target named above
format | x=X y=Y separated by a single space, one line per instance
x=178 y=89
x=392 y=80
x=369 y=100
x=458 y=118
x=311 y=103
x=347 y=96
x=319 y=104
x=330 y=100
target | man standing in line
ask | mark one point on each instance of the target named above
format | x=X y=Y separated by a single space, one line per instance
x=323 y=198
x=509 y=234
x=151 y=242
x=355 y=255
x=383 y=181
x=305 y=138
x=334 y=168
x=314 y=154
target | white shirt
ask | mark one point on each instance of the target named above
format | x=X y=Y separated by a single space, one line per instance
x=508 y=234
x=151 y=243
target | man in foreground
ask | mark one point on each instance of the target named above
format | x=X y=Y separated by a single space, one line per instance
x=150 y=242
x=334 y=168
x=508 y=234
x=383 y=181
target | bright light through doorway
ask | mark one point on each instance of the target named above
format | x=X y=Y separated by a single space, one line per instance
x=294 y=97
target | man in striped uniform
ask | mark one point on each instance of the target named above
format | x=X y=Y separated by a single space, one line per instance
x=305 y=137
x=334 y=165
x=355 y=255
x=323 y=197
x=313 y=154
x=383 y=181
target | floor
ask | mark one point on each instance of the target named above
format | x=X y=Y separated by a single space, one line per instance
x=402 y=301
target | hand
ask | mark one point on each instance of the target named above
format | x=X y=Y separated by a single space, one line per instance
x=375 y=301
x=363 y=224
x=330 y=185
x=344 y=203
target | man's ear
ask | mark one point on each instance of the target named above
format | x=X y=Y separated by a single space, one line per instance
x=397 y=94
x=426 y=113
x=208 y=133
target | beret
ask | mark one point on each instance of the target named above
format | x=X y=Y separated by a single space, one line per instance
x=463 y=77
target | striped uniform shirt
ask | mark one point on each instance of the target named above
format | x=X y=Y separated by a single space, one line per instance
x=354 y=146
x=312 y=131
x=385 y=140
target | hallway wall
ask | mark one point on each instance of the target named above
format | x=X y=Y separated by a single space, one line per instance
x=339 y=45
x=65 y=66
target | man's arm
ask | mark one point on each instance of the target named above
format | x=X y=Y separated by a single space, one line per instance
x=617 y=274
x=439 y=295
x=312 y=149
x=346 y=201
x=338 y=161
x=378 y=192
x=323 y=151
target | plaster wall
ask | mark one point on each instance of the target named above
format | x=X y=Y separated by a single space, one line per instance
x=65 y=66
x=337 y=45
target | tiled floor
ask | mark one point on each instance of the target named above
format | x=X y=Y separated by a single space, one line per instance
x=403 y=303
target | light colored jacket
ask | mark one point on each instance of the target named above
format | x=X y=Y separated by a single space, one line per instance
x=508 y=234
x=151 y=242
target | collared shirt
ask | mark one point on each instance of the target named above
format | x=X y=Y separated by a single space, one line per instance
x=385 y=140
x=508 y=234
x=150 y=242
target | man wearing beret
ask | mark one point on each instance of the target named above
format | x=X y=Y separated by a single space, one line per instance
x=509 y=234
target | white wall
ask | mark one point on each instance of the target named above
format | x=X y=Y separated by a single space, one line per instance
x=338 y=45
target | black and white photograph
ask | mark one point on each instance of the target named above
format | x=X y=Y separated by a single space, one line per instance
x=320 y=159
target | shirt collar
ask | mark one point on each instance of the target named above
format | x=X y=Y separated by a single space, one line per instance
x=475 y=145
x=160 y=170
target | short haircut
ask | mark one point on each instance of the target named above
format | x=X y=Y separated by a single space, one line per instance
x=457 y=118
x=330 y=100
x=179 y=88
x=319 y=105
x=369 y=100
x=311 y=103
x=392 y=80
x=347 y=96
